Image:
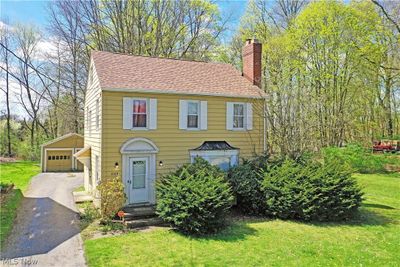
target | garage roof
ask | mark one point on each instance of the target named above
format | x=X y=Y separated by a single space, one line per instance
x=61 y=138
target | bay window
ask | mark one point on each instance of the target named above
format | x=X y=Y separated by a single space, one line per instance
x=218 y=153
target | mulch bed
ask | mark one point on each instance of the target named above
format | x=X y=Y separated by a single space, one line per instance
x=5 y=160
x=4 y=192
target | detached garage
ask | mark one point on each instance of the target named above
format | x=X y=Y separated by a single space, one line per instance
x=57 y=155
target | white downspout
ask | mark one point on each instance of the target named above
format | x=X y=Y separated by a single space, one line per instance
x=265 y=123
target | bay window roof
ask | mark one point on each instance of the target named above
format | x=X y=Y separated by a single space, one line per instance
x=215 y=145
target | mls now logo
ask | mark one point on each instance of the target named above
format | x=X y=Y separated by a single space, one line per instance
x=19 y=261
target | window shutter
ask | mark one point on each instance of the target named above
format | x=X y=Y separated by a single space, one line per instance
x=203 y=117
x=153 y=114
x=249 y=116
x=229 y=116
x=127 y=113
x=182 y=114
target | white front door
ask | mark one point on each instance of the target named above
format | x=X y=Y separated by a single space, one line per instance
x=138 y=180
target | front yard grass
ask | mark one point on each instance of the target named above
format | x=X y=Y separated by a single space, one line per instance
x=19 y=174
x=371 y=239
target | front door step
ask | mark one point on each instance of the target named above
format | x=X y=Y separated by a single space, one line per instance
x=138 y=223
x=139 y=211
x=82 y=196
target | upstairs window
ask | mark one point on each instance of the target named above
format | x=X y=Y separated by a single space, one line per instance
x=193 y=115
x=139 y=113
x=238 y=116
x=139 y=119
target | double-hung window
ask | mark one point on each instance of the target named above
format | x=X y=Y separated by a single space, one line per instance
x=193 y=114
x=238 y=116
x=139 y=114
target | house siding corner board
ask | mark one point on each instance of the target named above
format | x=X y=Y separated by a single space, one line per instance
x=93 y=135
x=174 y=143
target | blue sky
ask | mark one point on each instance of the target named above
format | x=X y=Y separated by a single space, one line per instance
x=35 y=11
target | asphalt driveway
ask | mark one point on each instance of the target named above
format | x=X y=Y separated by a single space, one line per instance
x=46 y=231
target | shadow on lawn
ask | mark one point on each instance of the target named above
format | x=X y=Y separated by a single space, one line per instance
x=233 y=232
x=364 y=217
x=378 y=206
x=41 y=225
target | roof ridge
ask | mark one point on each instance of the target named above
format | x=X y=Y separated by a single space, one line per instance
x=163 y=58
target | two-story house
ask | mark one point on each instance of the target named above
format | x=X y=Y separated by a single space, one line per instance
x=146 y=116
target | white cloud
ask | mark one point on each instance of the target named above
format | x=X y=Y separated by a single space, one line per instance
x=4 y=25
x=14 y=96
x=44 y=49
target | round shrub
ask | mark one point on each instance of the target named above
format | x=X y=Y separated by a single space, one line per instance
x=246 y=181
x=195 y=199
x=311 y=191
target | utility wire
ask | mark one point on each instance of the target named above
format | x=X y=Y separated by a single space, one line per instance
x=55 y=103
x=28 y=64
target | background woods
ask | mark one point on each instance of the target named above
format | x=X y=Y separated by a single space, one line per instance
x=331 y=70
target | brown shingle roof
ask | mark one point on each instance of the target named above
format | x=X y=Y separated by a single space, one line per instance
x=140 y=73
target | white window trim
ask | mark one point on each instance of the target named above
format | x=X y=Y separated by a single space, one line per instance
x=89 y=122
x=198 y=115
x=202 y=115
x=97 y=114
x=233 y=154
x=96 y=170
x=244 y=116
x=147 y=114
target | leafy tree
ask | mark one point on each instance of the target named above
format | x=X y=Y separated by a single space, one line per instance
x=329 y=73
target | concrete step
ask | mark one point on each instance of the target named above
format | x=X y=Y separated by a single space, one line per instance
x=137 y=223
x=140 y=215
x=137 y=212
x=82 y=196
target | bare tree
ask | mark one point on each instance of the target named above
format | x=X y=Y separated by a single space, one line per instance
x=27 y=38
x=72 y=62
x=5 y=36
x=174 y=29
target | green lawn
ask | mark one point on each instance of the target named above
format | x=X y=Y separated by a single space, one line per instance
x=18 y=173
x=372 y=239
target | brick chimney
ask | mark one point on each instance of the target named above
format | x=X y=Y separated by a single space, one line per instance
x=251 y=54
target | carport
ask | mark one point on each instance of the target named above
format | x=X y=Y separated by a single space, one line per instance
x=57 y=155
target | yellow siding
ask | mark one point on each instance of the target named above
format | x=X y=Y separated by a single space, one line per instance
x=73 y=141
x=174 y=144
x=68 y=141
x=93 y=136
x=61 y=160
